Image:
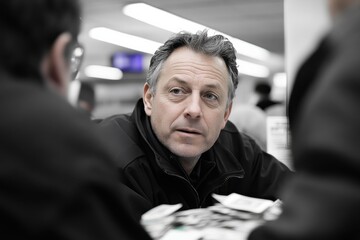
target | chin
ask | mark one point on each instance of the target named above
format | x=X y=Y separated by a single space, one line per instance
x=187 y=151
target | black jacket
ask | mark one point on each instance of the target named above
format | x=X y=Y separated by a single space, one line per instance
x=323 y=200
x=57 y=177
x=234 y=164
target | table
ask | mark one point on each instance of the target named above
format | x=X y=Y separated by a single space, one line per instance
x=232 y=218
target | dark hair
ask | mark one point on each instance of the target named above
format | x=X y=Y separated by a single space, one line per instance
x=29 y=28
x=216 y=45
x=263 y=88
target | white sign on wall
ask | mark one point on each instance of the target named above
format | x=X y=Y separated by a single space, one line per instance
x=278 y=139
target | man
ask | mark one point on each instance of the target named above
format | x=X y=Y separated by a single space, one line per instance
x=57 y=178
x=250 y=120
x=323 y=200
x=263 y=92
x=177 y=146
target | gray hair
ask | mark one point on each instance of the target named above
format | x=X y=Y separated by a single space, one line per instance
x=216 y=45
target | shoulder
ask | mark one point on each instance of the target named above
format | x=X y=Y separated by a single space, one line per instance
x=230 y=133
x=32 y=108
x=240 y=144
x=116 y=122
x=44 y=129
x=120 y=128
x=124 y=138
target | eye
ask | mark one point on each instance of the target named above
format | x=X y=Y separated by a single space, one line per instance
x=177 y=91
x=211 y=96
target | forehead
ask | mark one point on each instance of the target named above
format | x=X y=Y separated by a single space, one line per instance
x=188 y=62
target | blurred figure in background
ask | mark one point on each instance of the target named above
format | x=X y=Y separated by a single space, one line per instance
x=263 y=91
x=323 y=200
x=250 y=120
x=57 y=176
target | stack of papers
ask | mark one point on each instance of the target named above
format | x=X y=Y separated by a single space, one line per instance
x=232 y=218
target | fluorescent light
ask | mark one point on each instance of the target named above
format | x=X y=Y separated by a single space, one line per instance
x=170 y=22
x=124 y=40
x=103 y=72
x=252 y=69
x=148 y=46
x=159 y=18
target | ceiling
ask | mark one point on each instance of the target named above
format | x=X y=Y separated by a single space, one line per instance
x=259 y=22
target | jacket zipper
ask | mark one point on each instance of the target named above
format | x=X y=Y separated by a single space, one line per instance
x=217 y=186
x=197 y=198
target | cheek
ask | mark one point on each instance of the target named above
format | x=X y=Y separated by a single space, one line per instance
x=161 y=116
x=217 y=120
x=165 y=111
x=215 y=124
x=223 y=123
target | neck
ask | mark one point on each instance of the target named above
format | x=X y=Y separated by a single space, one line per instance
x=188 y=163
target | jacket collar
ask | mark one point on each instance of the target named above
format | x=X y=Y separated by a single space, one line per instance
x=168 y=162
x=163 y=157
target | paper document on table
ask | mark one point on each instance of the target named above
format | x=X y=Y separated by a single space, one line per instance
x=159 y=220
x=160 y=212
x=244 y=203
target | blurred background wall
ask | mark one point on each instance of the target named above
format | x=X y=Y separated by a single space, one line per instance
x=258 y=26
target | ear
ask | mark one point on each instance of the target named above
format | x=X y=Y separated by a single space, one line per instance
x=55 y=67
x=227 y=114
x=147 y=98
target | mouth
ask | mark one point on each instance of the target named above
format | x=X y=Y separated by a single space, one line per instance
x=189 y=131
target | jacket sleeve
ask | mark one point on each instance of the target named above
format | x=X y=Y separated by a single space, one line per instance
x=264 y=174
x=120 y=133
x=268 y=174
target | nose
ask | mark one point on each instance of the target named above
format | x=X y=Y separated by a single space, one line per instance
x=193 y=108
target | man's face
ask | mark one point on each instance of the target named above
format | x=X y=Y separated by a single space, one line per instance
x=189 y=107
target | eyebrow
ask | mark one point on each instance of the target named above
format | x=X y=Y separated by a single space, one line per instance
x=208 y=85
